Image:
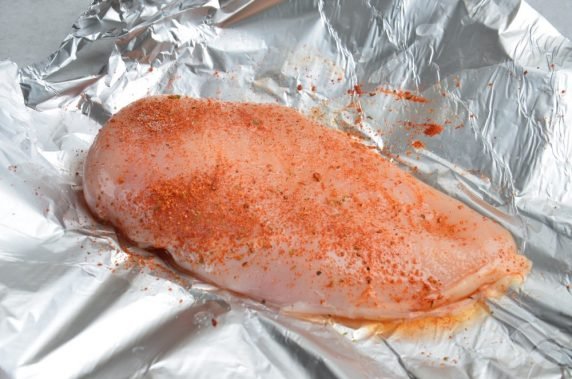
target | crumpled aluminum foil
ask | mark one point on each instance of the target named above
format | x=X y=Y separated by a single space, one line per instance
x=73 y=304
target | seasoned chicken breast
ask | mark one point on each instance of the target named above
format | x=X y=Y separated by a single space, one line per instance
x=261 y=200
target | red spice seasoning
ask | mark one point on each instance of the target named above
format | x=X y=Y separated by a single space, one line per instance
x=418 y=144
x=404 y=95
x=429 y=129
x=432 y=129
x=356 y=90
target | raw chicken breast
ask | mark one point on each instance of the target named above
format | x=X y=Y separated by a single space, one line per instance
x=260 y=200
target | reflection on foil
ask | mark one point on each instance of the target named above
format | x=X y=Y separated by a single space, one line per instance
x=497 y=79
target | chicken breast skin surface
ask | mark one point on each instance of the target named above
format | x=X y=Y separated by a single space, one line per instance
x=260 y=200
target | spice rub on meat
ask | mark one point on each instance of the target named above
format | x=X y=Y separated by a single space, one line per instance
x=260 y=200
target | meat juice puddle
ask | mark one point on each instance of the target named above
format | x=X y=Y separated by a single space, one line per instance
x=422 y=328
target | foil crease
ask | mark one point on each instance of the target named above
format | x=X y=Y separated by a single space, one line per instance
x=71 y=303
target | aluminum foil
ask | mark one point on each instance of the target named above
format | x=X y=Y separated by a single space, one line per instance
x=496 y=75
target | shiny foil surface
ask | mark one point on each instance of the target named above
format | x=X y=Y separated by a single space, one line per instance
x=494 y=74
